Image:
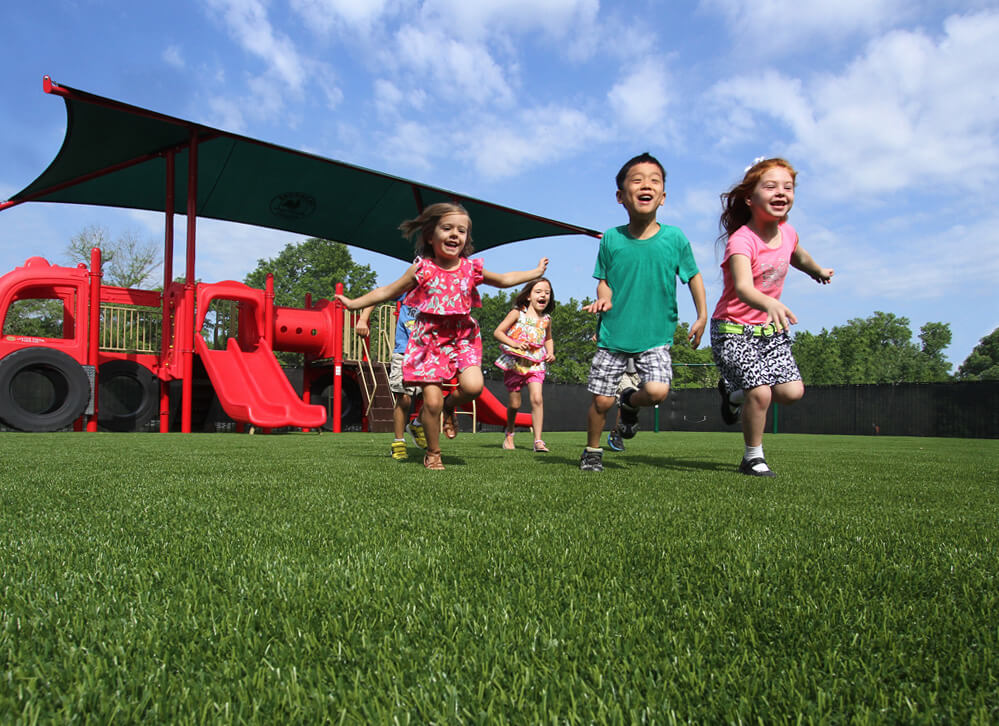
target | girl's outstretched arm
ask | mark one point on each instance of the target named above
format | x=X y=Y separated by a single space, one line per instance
x=509 y=279
x=381 y=294
x=801 y=260
x=742 y=274
x=500 y=332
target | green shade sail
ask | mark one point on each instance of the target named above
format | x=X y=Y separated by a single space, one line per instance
x=115 y=155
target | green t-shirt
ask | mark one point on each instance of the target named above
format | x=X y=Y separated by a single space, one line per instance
x=642 y=276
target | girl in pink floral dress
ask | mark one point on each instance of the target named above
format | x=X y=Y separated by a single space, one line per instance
x=445 y=342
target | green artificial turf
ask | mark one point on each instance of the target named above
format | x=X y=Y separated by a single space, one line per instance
x=305 y=578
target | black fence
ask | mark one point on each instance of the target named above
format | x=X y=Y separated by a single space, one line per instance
x=968 y=410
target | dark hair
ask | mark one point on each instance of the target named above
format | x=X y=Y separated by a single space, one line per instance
x=735 y=211
x=643 y=158
x=427 y=221
x=523 y=298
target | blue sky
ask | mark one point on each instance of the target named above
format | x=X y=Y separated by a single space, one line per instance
x=888 y=108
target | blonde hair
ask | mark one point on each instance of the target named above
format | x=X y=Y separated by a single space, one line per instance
x=427 y=221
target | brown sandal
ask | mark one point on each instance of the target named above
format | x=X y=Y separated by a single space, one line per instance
x=432 y=461
x=448 y=424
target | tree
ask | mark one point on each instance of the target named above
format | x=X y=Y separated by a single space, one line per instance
x=692 y=367
x=313 y=266
x=983 y=363
x=877 y=349
x=125 y=262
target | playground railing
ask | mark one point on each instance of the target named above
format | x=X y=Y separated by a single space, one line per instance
x=130 y=328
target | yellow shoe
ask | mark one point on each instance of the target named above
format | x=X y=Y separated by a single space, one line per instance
x=399 y=450
x=415 y=429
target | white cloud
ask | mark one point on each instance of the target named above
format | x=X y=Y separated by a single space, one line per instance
x=640 y=101
x=173 y=57
x=508 y=146
x=483 y=18
x=911 y=110
x=786 y=25
x=459 y=72
x=353 y=15
x=285 y=69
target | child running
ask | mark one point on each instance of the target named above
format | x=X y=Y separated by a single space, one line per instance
x=404 y=395
x=637 y=266
x=750 y=327
x=525 y=337
x=445 y=341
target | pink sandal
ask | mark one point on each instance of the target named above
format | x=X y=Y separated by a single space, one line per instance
x=539 y=447
x=508 y=442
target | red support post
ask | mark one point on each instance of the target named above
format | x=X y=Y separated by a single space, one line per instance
x=165 y=326
x=337 y=359
x=187 y=332
x=93 y=332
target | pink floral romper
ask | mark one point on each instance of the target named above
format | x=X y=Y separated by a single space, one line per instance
x=445 y=339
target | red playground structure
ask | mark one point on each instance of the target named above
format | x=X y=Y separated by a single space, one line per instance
x=154 y=348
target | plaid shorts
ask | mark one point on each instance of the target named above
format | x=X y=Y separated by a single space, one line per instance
x=749 y=361
x=653 y=365
x=396 y=384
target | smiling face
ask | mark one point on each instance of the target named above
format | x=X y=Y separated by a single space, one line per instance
x=643 y=190
x=449 y=238
x=772 y=196
x=541 y=293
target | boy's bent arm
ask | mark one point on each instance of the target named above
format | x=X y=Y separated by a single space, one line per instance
x=696 y=284
x=603 y=301
x=362 y=326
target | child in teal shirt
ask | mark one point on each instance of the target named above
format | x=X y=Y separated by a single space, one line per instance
x=637 y=266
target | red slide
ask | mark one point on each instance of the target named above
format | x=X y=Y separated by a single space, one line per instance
x=252 y=387
x=488 y=409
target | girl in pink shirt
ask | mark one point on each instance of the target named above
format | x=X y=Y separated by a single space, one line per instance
x=750 y=327
x=445 y=341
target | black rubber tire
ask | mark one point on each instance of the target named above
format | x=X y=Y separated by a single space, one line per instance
x=351 y=406
x=128 y=396
x=61 y=390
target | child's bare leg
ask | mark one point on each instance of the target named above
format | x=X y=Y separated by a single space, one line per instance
x=469 y=387
x=596 y=418
x=537 y=408
x=652 y=393
x=788 y=393
x=433 y=403
x=754 y=414
x=400 y=414
x=511 y=410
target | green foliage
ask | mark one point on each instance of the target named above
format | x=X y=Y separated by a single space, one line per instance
x=312 y=579
x=878 y=349
x=313 y=266
x=983 y=363
x=33 y=317
x=692 y=368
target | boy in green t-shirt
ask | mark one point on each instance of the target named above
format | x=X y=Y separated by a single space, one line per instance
x=636 y=269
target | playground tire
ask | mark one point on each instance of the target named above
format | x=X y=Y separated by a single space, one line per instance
x=68 y=386
x=351 y=406
x=128 y=396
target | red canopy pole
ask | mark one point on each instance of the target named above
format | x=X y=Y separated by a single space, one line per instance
x=165 y=328
x=94 y=338
x=188 y=330
x=337 y=359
